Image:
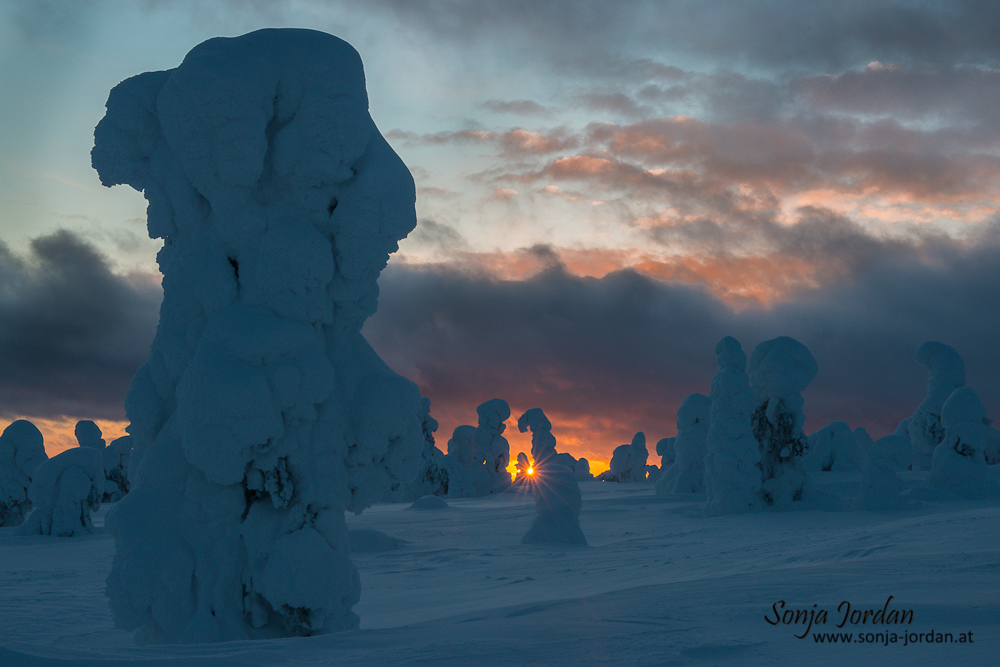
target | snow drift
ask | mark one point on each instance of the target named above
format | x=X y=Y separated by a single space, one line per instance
x=261 y=414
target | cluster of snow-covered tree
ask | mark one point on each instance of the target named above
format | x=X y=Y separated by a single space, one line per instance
x=743 y=445
x=478 y=456
x=57 y=496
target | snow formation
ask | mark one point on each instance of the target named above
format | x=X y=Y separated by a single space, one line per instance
x=22 y=451
x=880 y=486
x=522 y=466
x=779 y=370
x=116 y=459
x=665 y=450
x=494 y=449
x=88 y=434
x=543 y=444
x=558 y=502
x=468 y=476
x=432 y=472
x=833 y=447
x=946 y=373
x=958 y=465
x=261 y=414
x=64 y=491
x=628 y=461
x=732 y=459
x=687 y=474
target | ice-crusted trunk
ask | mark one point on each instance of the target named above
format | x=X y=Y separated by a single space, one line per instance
x=262 y=415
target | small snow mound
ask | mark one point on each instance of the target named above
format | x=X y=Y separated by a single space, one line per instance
x=365 y=540
x=429 y=503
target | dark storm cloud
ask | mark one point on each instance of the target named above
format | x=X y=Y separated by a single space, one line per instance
x=72 y=333
x=778 y=34
x=632 y=347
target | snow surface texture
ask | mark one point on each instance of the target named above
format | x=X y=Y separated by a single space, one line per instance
x=687 y=474
x=22 y=450
x=662 y=585
x=88 y=434
x=959 y=466
x=557 y=506
x=946 y=373
x=779 y=370
x=833 y=447
x=64 y=491
x=262 y=414
x=732 y=461
x=628 y=462
x=543 y=444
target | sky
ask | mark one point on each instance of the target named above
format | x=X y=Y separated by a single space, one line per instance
x=604 y=190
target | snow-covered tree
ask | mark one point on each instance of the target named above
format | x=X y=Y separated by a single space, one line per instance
x=628 y=461
x=64 y=492
x=468 y=476
x=88 y=434
x=432 y=472
x=523 y=466
x=833 y=447
x=946 y=373
x=116 y=459
x=494 y=449
x=543 y=444
x=262 y=414
x=665 y=450
x=959 y=466
x=779 y=370
x=687 y=474
x=558 y=502
x=22 y=450
x=881 y=460
x=733 y=480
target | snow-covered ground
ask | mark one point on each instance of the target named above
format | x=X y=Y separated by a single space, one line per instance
x=660 y=584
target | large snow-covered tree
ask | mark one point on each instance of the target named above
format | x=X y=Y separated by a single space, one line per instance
x=262 y=414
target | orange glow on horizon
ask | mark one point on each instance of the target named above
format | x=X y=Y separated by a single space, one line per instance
x=59 y=436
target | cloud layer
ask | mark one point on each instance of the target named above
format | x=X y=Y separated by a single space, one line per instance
x=72 y=333
x=619 y=353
